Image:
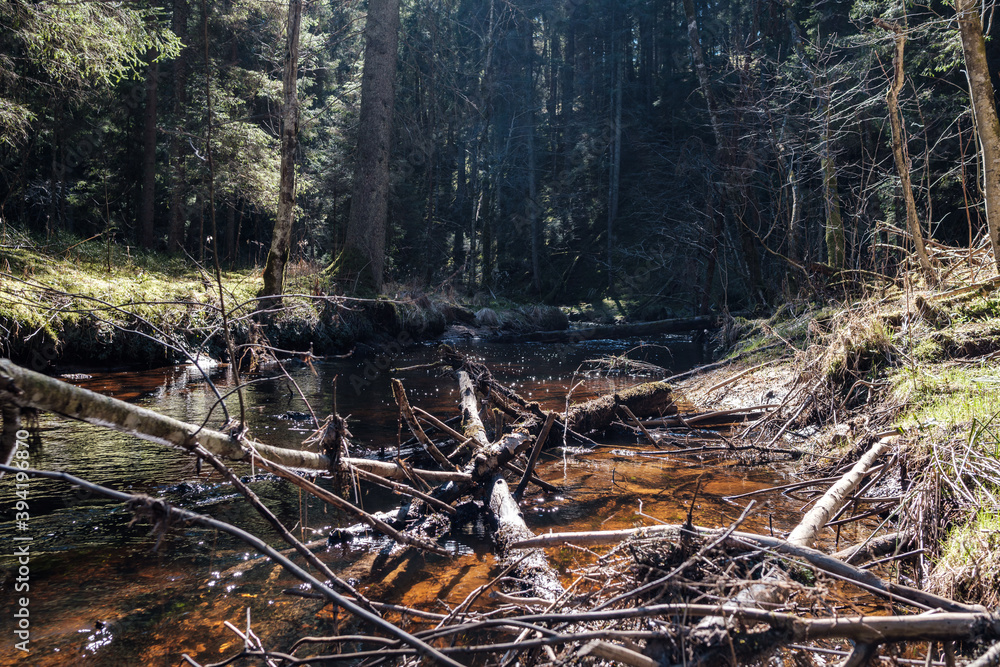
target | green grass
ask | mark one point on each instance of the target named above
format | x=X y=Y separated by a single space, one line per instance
x=947 y=397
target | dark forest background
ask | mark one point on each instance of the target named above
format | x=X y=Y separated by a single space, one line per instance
x=678 y=155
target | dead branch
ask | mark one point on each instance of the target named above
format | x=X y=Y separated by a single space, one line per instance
x=160 y=507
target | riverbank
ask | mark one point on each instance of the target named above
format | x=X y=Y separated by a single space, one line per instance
x=920 y=362
x=99 y=304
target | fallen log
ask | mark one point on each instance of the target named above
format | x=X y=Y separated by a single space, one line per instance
x=411 y=421
x=751 y=541
x=806 y=532
x=649 y=398
x=873 y=548
x=510 y=529
x=30 y=390
x=393 y=471
x=677 y=325
x=509 y=524
x=711 y=630
x=794 y=628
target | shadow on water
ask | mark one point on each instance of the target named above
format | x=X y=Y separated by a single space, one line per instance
x=99 y=593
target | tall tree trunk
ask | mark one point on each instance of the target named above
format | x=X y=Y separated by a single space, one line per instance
x=147 y=232
x=794 y=230
x=718 y=230
x=900 y=153
x=984 y=105
x=835 y=240
x=836 y=245
x=534 y=220
x=701 y=70
x=364 y=252
x=178 y=147
x=277 y=256
x=461 y=208
x=614 y=169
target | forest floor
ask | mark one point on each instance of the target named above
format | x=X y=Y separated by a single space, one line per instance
x=90 y=302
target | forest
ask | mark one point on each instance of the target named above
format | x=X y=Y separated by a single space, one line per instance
x=499 y=333
x=679 y=156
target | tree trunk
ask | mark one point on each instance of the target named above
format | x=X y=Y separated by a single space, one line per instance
x=614 y=175
x=984 y=105
x=534 y=222
x=835 y=242
x=178 y=150
x=147 y=232
x=277 y=256
x=364 y=252
x=836 y=250
x=899 y=152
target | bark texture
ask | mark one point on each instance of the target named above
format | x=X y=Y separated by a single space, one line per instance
x=901 y=155
x=983 y=103
x=277 y=256
x=31 y=390
x=364 y=251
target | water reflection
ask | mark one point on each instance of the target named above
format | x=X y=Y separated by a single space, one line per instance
x=99 y=592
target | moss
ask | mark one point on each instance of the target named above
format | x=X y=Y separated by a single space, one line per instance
x=928 y=349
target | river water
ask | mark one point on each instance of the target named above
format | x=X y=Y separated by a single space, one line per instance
x=102 y=591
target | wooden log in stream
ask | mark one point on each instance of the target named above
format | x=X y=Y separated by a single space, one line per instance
x=649 y=398
x=510 y=527
x=30 y=390
x=750 y=541
x=713 y=630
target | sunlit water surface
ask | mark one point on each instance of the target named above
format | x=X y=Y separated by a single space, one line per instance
x=101 y=594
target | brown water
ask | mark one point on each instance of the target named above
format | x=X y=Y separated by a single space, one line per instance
x=99 y=593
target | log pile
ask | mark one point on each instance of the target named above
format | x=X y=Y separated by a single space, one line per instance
x=669 y=594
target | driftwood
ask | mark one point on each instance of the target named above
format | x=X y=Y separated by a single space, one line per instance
x=875 y=547
x=411 y=421
x=394 y=471
x=766 y=592
x=30 y=390
x=510 y=526
x=533 y=567
x=794 y=628
x=751 y=541
x=808 y=529
x=533 y=458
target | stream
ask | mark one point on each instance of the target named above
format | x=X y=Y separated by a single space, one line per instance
x=100 y=593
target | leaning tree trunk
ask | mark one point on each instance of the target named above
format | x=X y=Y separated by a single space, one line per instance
x=984 y=106
x=899 y=152
x=364 y=251
x=277 y=256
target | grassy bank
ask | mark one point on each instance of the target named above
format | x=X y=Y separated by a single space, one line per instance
x=924 y=360
x=95 y=303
